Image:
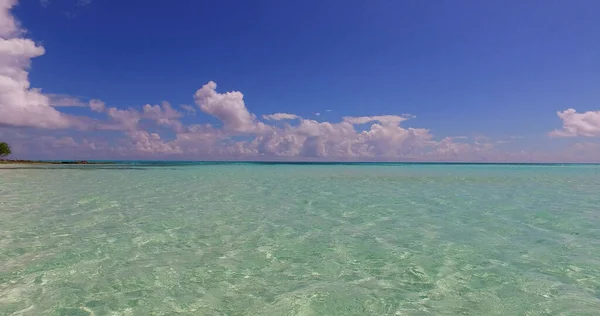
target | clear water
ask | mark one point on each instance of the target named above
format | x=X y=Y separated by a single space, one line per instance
x=261 y=239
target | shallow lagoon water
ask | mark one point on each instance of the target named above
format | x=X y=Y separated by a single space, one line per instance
x=297 y=239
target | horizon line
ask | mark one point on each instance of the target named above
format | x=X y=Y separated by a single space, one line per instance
x=124 y=161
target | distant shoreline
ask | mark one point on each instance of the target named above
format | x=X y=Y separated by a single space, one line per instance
x=159 y=163
x=40 y=162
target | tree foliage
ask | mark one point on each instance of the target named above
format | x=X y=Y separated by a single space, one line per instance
x=4 y=149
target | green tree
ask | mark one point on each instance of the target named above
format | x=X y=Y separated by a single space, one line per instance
x=4 y=150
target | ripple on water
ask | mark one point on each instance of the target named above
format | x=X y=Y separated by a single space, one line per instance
x=300 y=240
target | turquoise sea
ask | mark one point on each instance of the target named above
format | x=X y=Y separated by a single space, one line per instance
x=299 y=239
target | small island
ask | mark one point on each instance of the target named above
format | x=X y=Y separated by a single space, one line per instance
x=5 y=151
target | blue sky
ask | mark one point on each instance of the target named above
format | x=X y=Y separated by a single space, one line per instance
x=479 y=71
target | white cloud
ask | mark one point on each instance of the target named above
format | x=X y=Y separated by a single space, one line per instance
x=241 y=134
x=144 y=141
x=281 y=116
x=383 y=119
x=578 y=124
x=188 y=108
x=8 y=25
x=195 y=135
x=20 y=105
x=163 y=114
x=447 y=147
x=62 y=100
x=228 y=107
x=127 y=119
x=311 y=138
x=97 y=105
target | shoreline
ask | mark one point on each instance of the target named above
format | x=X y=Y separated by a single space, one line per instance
x=40 y=162
x=270 y=162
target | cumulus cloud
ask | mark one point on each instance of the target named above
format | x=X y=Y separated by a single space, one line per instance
x=137 y=130
x=97 y=105
x=199 y=140
x=164 y=111
x=311 y=138
x=163 y=114
x=129 y=119
x=280 y=116
x=388 y=140
x=458 y=149
x=8 y=24
x=228 y=107
x=152 y=143
x=21 y=105
x=239 y=132
x=126 y=119
x=448 y=147
x=578 y=124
